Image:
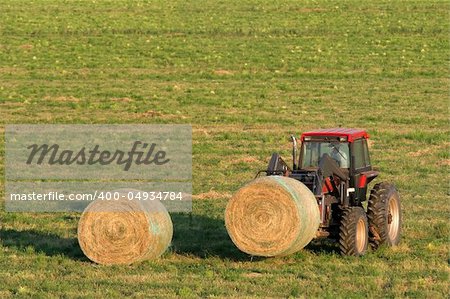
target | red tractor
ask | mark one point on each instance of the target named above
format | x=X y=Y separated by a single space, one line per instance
x=335 y=165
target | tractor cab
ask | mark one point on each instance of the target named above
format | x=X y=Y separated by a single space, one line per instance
x=339 y=156
x=347 y=147
x=331 y=162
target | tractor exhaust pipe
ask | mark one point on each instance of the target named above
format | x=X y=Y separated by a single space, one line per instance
x=294 y=152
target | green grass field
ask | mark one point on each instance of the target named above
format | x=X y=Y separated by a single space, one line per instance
x=245 y=74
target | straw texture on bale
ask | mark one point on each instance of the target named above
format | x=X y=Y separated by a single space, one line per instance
x=124 y=231
x=272 y=216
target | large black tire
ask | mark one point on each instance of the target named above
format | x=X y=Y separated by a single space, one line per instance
x=353 y=232
x=385 y=216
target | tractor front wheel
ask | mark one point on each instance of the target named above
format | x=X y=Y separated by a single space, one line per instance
x=385 y=217
x=353 y=232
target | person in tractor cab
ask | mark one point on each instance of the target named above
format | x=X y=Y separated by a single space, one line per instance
x=339 y=155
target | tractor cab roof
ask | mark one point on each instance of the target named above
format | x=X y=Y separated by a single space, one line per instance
x=348 y=134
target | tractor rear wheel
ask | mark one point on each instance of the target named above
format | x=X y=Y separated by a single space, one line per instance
x=384 y=214
x=353 y=232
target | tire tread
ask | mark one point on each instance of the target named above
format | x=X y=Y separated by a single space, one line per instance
x=377 y=214
x=347 y=230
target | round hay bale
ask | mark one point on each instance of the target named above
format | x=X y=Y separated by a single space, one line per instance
x=124 y=231
x=272 y=216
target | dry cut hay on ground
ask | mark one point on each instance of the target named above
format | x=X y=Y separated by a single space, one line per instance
x=124 y=231
x=272 y=216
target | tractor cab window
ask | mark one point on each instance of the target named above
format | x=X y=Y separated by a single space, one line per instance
x=361 y=153
x=313 y=151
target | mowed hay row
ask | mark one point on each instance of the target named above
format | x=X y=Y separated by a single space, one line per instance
x=272 y=216
x=124 y=231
